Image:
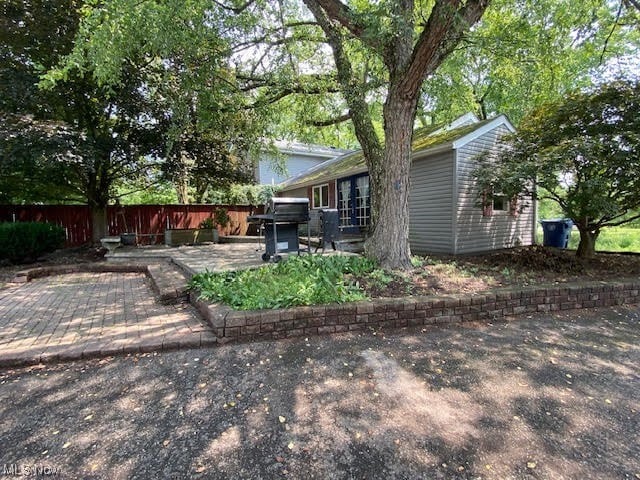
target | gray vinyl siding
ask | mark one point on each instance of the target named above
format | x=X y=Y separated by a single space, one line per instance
x=431 y=204
x=476 y=233
x=295 y=193
x=294 y=165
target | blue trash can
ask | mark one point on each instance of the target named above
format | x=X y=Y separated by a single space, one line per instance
x=556 y=232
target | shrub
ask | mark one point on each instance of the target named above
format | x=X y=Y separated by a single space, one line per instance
x=221 y=217
x=299 y=280
x=23 y=242
x=207 y=223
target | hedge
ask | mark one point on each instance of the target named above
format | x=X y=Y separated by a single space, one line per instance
x=24 y=242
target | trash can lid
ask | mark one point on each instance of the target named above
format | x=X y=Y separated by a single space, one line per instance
x=557 y=220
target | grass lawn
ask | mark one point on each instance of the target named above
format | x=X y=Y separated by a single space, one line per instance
x=615 y=239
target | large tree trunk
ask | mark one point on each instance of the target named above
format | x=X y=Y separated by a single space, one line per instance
x=587 y=245
x=390 y=182
x=97 y=191
x=181 y=181
x=408 y=62
x=98 y=223
x=182 y=190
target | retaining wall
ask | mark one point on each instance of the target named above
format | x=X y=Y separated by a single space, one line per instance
x=233 y=325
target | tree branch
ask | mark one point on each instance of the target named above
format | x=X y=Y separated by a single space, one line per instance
x=339 y=12
x=613 y=29
x=236 y=10
x=304 y=83
x=272 y=43
x=331 y=121
x=632 y=3
x=609 y=223
x=277 y=96
x=353 y=93
x=270 y=33
x=440 y=36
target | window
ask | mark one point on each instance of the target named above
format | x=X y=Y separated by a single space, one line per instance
x=499 y=202
x=321 y=196
x=494 y=202
x=344 y=202
x=363 y=210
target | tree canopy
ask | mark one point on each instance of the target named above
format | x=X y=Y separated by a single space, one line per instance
x=73 y=140
x=584 y=153
x=197 y=84
x=526 y=53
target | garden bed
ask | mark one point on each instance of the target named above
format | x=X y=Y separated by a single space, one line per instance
x=521 y=267
x=321 y=280
x=67 y=256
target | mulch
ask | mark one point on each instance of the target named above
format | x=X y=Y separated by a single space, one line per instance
x=519 y=267
x=67 y=256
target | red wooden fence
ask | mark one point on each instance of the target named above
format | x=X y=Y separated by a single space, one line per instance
x=147 y=221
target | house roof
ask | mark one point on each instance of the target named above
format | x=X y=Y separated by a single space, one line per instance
x=307 y=149
x=427 y=140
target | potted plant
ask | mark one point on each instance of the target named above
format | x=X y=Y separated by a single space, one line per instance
x=221 y=218
x=207 y=230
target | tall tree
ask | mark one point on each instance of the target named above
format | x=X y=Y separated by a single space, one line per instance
x=182 y=53
x=411 y=39
x=379 y=51
x=72 y=141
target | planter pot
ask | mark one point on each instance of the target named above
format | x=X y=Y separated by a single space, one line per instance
x=128 y=238
x=184 y=236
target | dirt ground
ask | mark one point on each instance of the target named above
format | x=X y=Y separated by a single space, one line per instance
x=545 y=397
x=517 y=267
x=68 y=256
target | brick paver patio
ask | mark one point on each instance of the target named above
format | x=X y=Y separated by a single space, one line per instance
x=88 y=314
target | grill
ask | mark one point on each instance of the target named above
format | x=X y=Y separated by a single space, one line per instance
x=280 y=225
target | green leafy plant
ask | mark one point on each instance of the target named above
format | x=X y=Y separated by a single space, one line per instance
x=23 y=242
x=380 y=278
x=221 y=217
x=417 y=261
x=207 y=223
x=299 y=280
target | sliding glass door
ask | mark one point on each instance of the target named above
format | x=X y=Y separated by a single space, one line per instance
x=354 y=204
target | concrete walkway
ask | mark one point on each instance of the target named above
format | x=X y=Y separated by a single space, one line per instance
x=84 y=315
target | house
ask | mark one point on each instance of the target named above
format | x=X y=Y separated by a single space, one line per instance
x=292 y=159
x=445 y=215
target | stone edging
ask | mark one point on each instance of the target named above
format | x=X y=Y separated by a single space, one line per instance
x=233 y=325
x=167 y=280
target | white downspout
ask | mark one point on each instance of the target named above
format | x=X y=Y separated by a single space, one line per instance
x=534 y=226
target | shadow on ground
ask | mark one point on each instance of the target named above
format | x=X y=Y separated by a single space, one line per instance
x=543 y=397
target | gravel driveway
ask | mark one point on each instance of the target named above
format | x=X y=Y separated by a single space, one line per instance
x=542 y=397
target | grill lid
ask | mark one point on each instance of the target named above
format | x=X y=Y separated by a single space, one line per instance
x=289 y=209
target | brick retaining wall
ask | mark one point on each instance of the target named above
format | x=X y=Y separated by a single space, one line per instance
x=233 y=325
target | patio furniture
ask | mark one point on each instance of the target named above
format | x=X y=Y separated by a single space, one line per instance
x=329 y=228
